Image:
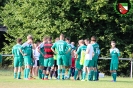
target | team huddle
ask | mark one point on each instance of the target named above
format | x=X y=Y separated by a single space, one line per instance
x=61 y=59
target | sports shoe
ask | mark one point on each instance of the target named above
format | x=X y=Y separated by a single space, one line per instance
x=46 y=79
x=83 y=80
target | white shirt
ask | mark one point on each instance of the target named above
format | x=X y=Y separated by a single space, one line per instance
x=36 y=54
x=90 y=54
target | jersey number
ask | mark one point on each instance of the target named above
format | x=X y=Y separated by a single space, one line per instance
x=60 y=47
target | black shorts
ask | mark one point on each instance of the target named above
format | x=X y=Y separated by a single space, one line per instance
x=55 y=63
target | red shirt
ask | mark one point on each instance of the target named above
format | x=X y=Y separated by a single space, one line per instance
x=73 y=62
x=47 y=49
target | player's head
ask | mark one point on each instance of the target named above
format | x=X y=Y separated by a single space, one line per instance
x=49 y=39
x=113 y=44
x=61 y=37
x=45 y=39
x=93 y=39
x=72 y=43
x=67 y=40
x=57 y=39
x=19 y=41
x=81 y=42
x=87 y=41
x=30 y=39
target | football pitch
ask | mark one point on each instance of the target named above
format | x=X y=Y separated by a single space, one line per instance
x=7 y=81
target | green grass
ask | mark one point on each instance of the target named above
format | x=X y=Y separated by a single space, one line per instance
x=7 y=81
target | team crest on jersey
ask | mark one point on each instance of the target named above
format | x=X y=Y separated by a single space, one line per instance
x=123 y=7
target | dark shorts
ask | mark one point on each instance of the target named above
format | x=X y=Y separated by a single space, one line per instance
x=55 y=63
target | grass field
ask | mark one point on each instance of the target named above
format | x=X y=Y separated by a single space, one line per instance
x=7 y=81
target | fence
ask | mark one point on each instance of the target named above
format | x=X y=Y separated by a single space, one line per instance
x=130 y=59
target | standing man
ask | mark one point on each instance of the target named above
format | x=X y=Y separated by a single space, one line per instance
x=88 y=63
x=48 y=58
x=61 y=47
x=95 y=57
x=27 y=55
x=41 y=58
x=79 y=67
x=69 y=57
x=18 y=59
x=55 y=66
x=115 y=54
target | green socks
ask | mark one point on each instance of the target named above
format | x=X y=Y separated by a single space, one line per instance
x=95 y=75
x=15 y=75
x=90 y=75
x=59 y=73
x=83 y=75
x=19 y=75
x=69 y=73
x=27 y=72
x=75 y=75
x=42 y=76
x=40 y=73
x=63 y=73
x=114 y=76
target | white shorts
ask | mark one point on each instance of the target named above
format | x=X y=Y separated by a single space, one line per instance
x=36 y=63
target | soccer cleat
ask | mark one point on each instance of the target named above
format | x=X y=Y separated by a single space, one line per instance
x=63 y=78
x=46 y=79
x=78 y=78
x=83 y=80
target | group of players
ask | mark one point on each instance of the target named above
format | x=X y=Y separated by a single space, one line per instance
x=60 y=59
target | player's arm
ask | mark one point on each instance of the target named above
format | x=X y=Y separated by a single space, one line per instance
x=118 y=52
x=21 y=51
x=38 y=49
x=69 y=49
x=13 y=52
x=78 y=52
x=53 y=48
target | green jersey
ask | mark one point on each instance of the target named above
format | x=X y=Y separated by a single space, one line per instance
x=61 y=47
x=27 y=49
x=41 y=47
x=80 y=49
x=16 y=50
x=96 y=48
x=69 y=47
x=114 y=53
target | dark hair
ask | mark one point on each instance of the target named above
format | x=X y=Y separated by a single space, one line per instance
x=19 y=40
x=93 y=38
x=37 y=41
x=87 y=39
x=67 y=38
x=112 y=41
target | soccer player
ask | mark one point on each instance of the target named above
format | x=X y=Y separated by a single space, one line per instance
x=78 y=69
x=18 y=58
x=48 y=57
x=61 y=47
x=41 y=58
x=96 y=55
x=55 y=67
x=115 y=54
x=27 y=55
x=88 y=63
x=68 y=56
